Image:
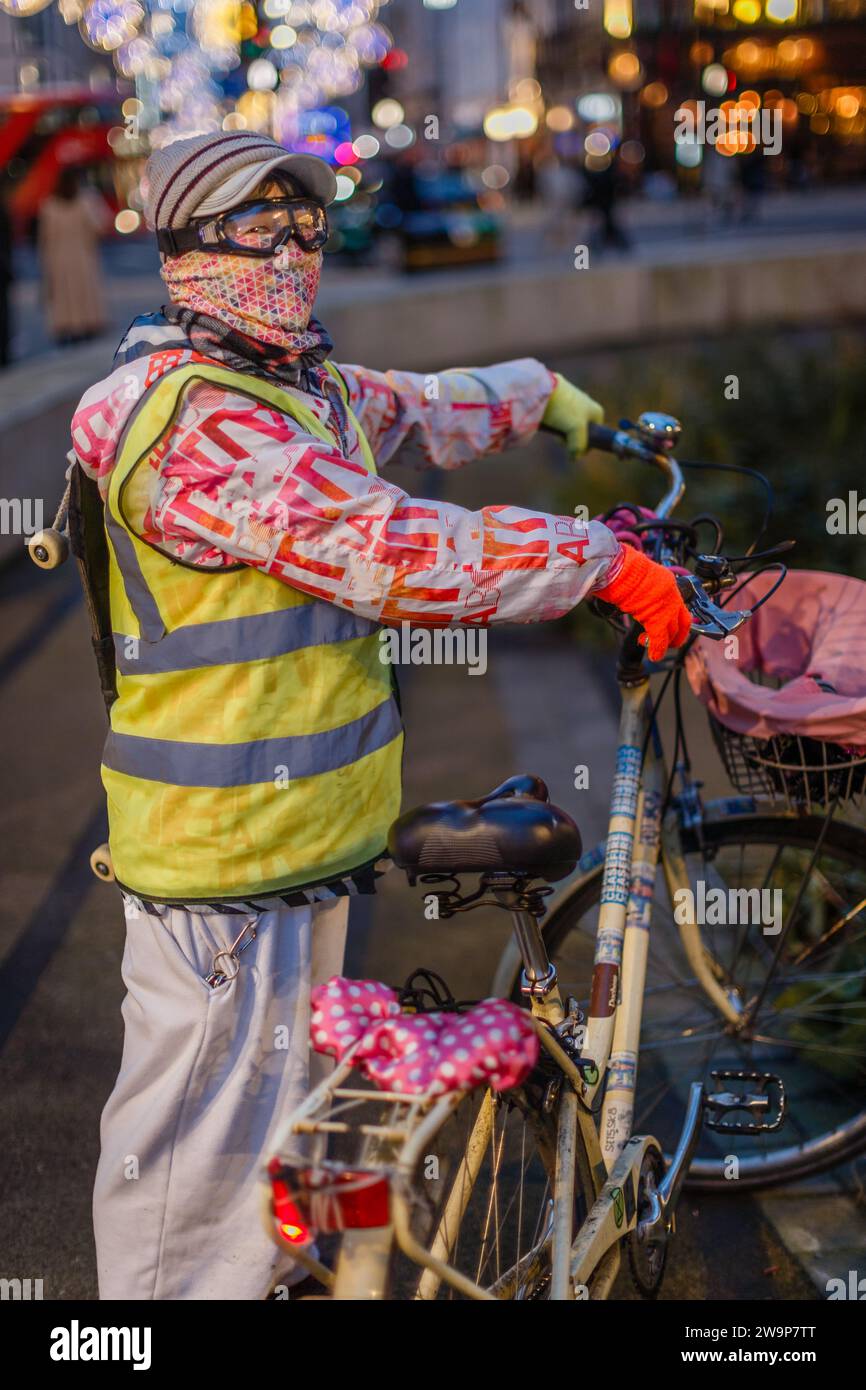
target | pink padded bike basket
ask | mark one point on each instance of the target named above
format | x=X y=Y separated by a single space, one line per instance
x=787 y=707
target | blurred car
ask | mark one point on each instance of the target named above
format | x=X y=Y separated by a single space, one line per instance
x=440 y=220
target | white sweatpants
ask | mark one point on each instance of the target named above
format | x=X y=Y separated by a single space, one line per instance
x=207 y=1076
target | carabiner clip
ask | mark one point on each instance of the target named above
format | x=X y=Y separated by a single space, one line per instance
x=219 y=977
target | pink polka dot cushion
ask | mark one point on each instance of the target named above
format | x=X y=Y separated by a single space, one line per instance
x=494 y=1043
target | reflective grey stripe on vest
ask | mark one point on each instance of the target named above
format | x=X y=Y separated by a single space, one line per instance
x=243 y=764
x=141 y=600
x=139 y=596
x=231 y=640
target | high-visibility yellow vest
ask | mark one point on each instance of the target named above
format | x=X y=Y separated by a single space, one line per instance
x=255 y=743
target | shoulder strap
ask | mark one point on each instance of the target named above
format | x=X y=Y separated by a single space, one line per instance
x=88 y=544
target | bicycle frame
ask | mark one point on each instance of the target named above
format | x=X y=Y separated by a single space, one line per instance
x=636 y=840
x=612 y=1158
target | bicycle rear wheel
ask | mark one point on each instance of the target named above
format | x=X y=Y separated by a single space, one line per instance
x=811 y=1024
x=483 y=1197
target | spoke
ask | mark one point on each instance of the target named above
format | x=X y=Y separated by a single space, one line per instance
x=832 y=982
x=780 y=849
x=800 y=894
x=502 y=1216
x=857 y=1006
x=651 y=1101
x=653 y=991
x=823 y=1048
x=520 y=1204
x=682 y=1042
x=678 y=1025
x=837 y=926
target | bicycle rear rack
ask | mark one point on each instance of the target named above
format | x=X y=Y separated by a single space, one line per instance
x=391 y=1146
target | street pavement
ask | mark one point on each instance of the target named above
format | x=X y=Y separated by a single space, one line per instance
x=545 y=704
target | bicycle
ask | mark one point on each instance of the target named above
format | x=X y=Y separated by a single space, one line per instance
x=584 y=1185
x=533 y=1193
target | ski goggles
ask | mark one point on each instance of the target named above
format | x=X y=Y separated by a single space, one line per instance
x=252 y=229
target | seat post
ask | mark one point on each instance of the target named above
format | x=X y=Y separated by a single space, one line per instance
x=539 y=974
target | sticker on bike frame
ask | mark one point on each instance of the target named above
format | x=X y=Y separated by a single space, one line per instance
x=651 y=822
x=621 y=1073
x=617 y=867
x=608 y=945
x=605 y=988
x=618 y=1200
x=626 y=781
x=639 y=910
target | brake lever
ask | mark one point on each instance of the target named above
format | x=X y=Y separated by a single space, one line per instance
x=712 y=621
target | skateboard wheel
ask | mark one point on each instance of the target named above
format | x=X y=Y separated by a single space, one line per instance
x=48 y=548
x=100 y=863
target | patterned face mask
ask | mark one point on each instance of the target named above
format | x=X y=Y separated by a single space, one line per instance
x=270 y=300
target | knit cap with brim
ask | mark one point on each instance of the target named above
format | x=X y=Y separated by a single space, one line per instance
x=207 y=174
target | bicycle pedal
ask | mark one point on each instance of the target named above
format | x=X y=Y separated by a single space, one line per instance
x=766 y=1100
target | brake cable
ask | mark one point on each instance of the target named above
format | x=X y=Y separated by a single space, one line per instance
x=732 y=593
x=748 y=472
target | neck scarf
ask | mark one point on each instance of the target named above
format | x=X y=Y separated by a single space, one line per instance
x=254 y=314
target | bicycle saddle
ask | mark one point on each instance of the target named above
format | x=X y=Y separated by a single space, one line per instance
x=513 y=829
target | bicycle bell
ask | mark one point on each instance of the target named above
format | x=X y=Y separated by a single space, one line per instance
x=660 y=431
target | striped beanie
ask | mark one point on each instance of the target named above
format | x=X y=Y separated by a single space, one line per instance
x=207 y=174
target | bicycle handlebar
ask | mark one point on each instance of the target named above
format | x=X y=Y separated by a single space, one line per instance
x=603 y=437
x=653 y=438
x=653 y=447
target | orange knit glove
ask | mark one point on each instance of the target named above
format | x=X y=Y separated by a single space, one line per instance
x=648 y=592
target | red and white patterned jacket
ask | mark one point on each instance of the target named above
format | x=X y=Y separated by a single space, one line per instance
x=236 y=480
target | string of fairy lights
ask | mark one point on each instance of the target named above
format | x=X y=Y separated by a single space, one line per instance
x=199 y=64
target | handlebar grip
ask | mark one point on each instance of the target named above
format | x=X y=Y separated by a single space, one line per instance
x=602 y=437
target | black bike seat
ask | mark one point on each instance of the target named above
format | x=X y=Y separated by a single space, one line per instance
x=512 y=829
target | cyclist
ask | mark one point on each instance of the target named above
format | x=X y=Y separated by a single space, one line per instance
x=253 y=762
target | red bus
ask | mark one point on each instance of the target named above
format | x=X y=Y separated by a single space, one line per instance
x=43 y=131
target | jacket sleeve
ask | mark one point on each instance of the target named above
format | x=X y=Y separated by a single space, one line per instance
x=446 y=419
x=240 y=481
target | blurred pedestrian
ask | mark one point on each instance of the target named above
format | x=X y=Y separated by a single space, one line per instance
x=602 y=193
x=71 y=223
x=719 y=182
x=558 y=186
x=5 y=278
x=752 y=169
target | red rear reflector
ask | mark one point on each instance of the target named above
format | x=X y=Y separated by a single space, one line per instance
x=328 y=1200
x=291 y=1225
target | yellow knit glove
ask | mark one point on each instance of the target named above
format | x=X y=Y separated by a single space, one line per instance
x=570 y=412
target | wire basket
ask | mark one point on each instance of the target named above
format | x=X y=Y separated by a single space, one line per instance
x=805 y=774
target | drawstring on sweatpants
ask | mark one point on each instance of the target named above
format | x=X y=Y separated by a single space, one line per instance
x=219 y=976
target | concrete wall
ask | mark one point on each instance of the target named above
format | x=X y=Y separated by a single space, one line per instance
x=482 y=315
